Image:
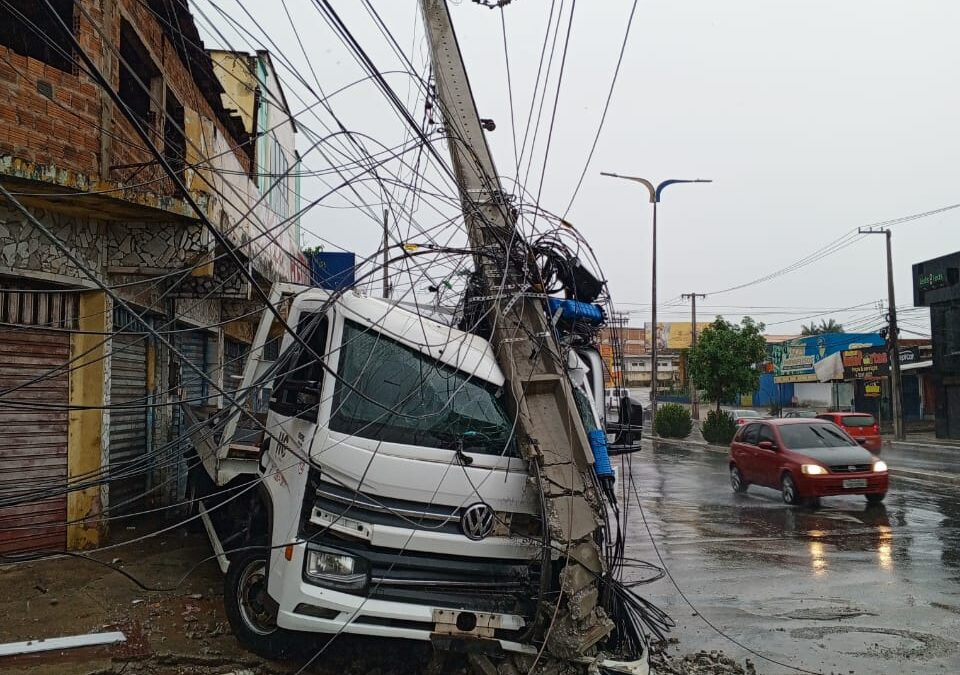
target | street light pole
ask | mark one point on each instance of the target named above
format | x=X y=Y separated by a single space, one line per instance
x=655 y=192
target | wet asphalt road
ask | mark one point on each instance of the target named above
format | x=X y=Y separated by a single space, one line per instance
x=843 y=588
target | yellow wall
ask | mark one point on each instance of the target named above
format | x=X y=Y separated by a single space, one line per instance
x=85 y=431
x=239 y=84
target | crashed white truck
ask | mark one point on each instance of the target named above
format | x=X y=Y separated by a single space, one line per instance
x=376 y=490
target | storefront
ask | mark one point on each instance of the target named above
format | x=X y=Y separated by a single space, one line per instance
x=801 y=363
x=936 y=284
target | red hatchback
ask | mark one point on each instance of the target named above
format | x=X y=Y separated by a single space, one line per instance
x=861 y=426
x=805 y=459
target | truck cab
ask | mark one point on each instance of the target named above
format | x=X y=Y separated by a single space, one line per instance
x=384 y=494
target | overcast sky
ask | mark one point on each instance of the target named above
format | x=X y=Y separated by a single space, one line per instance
x=811 y=117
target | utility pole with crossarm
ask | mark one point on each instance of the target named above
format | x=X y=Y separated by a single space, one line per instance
x=551 y=434
x=694 y=394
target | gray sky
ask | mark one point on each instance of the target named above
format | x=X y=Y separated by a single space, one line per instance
x=811 y=117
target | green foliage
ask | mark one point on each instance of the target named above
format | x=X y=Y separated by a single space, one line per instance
x=312 y=250
x=825 y=327
x=673 y=421
x=726 y=360
x=719 y=427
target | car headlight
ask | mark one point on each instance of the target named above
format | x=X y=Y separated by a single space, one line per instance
x=336 y=569
x=813 y=469
x=879 y=465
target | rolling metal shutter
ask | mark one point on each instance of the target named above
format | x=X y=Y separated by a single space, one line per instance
x=235 y=358
x=33 y=444
x=129 y=463
x=193 y=348
x=192 y=345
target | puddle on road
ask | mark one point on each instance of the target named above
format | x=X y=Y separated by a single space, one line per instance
x=887 y=643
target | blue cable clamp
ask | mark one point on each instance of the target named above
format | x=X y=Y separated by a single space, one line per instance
x=601 y=459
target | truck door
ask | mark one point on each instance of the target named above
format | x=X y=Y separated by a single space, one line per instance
x=291 y=422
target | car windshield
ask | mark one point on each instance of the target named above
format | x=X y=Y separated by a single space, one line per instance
x=859 y=421
x=799 y=436
x=804 y=413
x=746 y=413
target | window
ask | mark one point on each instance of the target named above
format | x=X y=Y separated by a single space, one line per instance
x=800 y=436
x=174 y=143
x=750 y=434
x=766 y=434
x=389 y=392
x=137 y=71
x=27 y=28
x=298 y=389
x=858 y=421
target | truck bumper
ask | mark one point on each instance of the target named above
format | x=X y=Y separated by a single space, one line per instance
x=307 y=607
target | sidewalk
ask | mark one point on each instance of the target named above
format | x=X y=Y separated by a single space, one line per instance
x=924 y=457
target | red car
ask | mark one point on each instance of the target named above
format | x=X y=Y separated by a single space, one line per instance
x=861 y=426
x=805 y=459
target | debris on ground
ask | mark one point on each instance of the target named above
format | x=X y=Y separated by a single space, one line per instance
x=699 y=663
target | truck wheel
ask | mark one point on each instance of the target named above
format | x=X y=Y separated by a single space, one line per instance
x=251 y=612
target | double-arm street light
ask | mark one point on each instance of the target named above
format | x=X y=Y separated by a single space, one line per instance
x=654 y=199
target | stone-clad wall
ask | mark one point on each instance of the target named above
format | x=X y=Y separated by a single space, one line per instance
x=24 y=247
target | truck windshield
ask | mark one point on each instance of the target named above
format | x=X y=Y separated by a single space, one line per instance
x=389 y=392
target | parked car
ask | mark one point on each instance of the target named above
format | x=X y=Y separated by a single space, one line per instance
x=744 y=416
x=805 y=459
x=803 y=414
x=861 y=426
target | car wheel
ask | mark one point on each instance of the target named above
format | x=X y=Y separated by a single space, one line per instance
x=737 y=482
x=788 y=489
x=251 y=613
x=876 y=498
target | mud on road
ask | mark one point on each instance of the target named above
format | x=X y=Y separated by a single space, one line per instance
x=182 y=629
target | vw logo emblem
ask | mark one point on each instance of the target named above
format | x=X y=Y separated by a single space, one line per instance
x=477 y=521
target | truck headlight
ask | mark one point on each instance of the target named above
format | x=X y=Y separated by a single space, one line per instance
x=813 y=469
x=329 y=567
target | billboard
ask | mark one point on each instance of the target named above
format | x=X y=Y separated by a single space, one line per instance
x=795 y=360
x=674 y=335
x=860 y=364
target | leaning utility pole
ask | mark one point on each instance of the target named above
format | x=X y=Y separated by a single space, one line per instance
x=694 y=394
x=550 y=431
x=896 y=384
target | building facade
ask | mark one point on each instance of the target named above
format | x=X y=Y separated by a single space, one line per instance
x=120 y=293
x=936 y=284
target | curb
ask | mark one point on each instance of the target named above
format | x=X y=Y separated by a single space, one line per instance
x=907 y=474
x=927 y=476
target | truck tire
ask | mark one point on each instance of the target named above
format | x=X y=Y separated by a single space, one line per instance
x=252 y=614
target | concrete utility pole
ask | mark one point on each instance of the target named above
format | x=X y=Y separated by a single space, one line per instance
x=896 y=384
x=549 y=427
x=694 y=394
x=654 y=199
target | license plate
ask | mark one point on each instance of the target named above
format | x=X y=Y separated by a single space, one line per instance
x=855 y=483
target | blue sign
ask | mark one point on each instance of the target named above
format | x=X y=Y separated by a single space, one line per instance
x=334 y=271
x=793 y=360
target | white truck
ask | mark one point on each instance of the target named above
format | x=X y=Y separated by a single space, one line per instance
x=380 y=491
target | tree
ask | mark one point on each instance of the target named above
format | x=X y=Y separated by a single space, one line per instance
x=826 y=326
x=726 y=360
